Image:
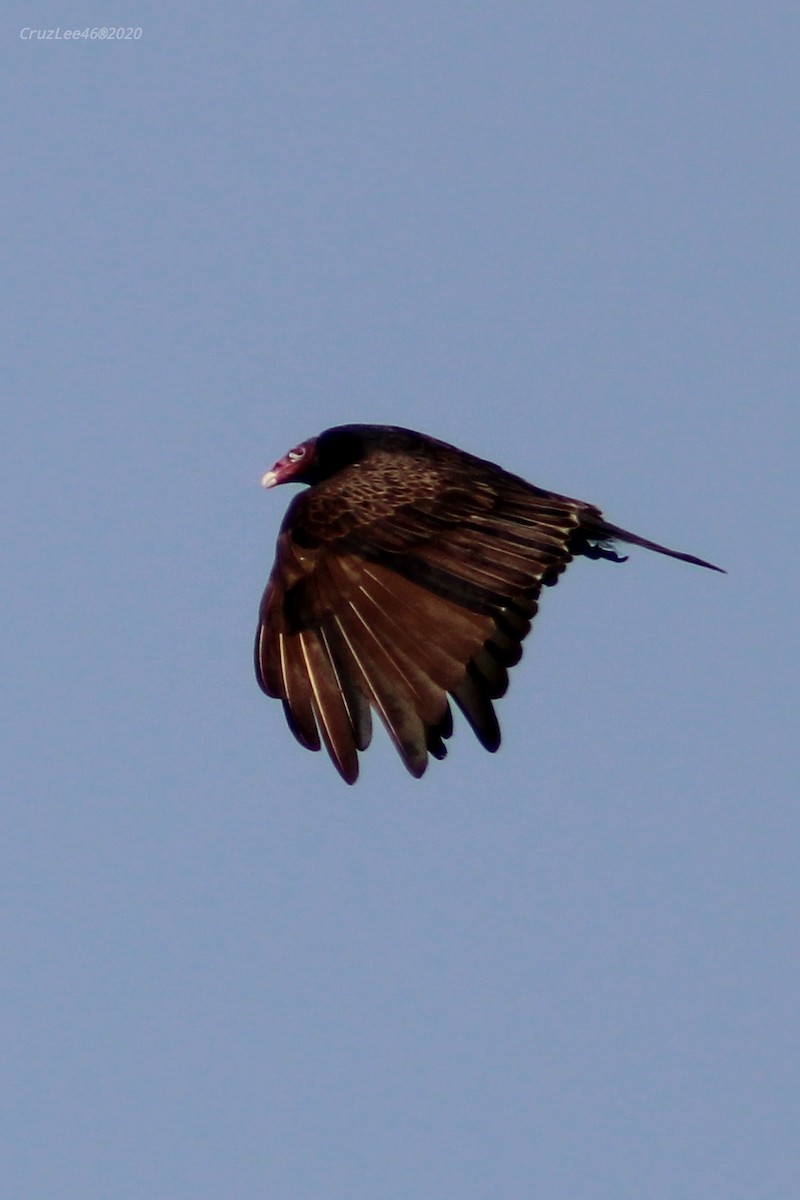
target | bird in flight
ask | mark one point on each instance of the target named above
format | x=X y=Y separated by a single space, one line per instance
x=407 y=574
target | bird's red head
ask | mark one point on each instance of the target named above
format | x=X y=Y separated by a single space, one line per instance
x=296 y=466
x=320 y=457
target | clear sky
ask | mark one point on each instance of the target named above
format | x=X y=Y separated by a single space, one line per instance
x=563 y=236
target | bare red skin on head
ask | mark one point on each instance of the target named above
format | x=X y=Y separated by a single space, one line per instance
x=292 y=467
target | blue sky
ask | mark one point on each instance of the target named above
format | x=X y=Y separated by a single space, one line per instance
x=565 y=238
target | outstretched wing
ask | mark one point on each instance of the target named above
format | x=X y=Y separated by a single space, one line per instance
x=397 y=586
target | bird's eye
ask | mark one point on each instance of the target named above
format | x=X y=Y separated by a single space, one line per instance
x=296 y=454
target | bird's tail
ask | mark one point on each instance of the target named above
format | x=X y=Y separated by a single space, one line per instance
x=604 y=531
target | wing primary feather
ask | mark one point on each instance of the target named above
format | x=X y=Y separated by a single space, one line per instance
x=355 y=702
x=425 y=666
x=295 y=694
x=437 y=734
x=266 y=652
x=298 y=732
x=493 y=674
x=329 y=706
x=393 y=659
x=477 y=708
x=458 y=631
x=389 y=698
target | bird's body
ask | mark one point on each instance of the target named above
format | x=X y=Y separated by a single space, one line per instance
x=409 y=572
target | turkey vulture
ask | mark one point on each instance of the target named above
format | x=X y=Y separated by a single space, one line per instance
x=408 y=572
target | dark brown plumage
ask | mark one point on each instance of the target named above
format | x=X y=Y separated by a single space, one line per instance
x=408 y=573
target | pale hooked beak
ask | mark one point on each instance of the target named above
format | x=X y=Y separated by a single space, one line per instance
x=269 y=479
